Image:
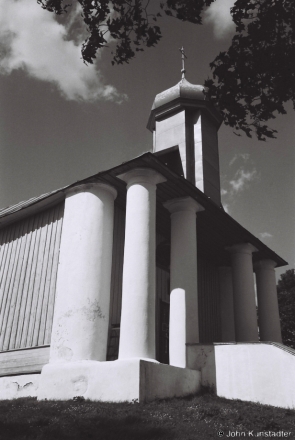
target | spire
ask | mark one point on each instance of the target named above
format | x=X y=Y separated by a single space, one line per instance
x=183 y=56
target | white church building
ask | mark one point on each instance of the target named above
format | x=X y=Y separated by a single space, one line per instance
x=134 y=284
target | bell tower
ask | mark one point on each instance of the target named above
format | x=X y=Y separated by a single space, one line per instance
x=181 y=116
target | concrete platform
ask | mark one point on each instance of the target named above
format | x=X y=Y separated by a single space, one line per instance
x=116 y=381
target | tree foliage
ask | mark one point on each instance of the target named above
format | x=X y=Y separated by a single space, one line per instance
x=132 y=23
x=255 y=77
x=251 y=81
x=286 y=298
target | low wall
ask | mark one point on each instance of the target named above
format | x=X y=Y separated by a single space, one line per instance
x=201 y=357
x=256 y=372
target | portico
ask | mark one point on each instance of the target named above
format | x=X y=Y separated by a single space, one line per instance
x=211 y=280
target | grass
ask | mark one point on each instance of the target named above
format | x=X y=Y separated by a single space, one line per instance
x=197 y=417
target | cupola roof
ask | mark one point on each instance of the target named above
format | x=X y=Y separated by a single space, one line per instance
x=183 y=89
x=183 y=95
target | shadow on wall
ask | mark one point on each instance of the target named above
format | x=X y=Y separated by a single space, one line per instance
x=201 y=357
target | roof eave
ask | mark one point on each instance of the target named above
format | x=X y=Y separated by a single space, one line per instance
x=184 y=187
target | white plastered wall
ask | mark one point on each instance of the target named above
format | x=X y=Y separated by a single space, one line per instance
x=255 y=372
x=198 y=145
x=13 y=387
x=170 y=132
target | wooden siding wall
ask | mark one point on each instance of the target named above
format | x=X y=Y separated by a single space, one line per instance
x=162 y=294
x=24 y=361
x=29 y=251
x=162 y=268
x=117 y=266
x=163 y=284
x=116 y=284
x=209 y=304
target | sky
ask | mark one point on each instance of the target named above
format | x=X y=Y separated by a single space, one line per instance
x=62 y=121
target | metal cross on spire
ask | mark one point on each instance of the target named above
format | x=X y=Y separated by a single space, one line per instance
x=183 y=56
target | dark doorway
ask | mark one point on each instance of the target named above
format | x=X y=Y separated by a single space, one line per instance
x=164 y=333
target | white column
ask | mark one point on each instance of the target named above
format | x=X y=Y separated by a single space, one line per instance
x=81 y=315
x=226 y=303
x=246 y=327
x=268 y=310
x=138 y=318
x=184 y=325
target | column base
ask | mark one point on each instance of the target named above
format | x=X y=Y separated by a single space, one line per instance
x=116 y=381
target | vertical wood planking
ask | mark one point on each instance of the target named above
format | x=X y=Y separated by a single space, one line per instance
x=117 y=266
x=52 y=285
x=28 y=286
x=31 y=286
x=22 y=294
x=29 y=251
x=40 y=324
x=8 y=278
x=162 y=294
x=162 y=284
x=10 y=331
x=116 y=283
x=40 y=255
x=209 y=307
x=7 y=234
x=43 y=274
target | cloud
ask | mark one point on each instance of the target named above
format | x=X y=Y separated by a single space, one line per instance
x=244 y=156
x=265 y=235
x=242 y=178
x=34 y=41
x=226 y=207
x=219 y=15
x=242 y=172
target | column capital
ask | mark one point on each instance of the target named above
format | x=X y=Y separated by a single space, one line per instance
x=266 y=264
x=88 y=187
x=183 y=204
x=241 y=248
x=142 y=175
